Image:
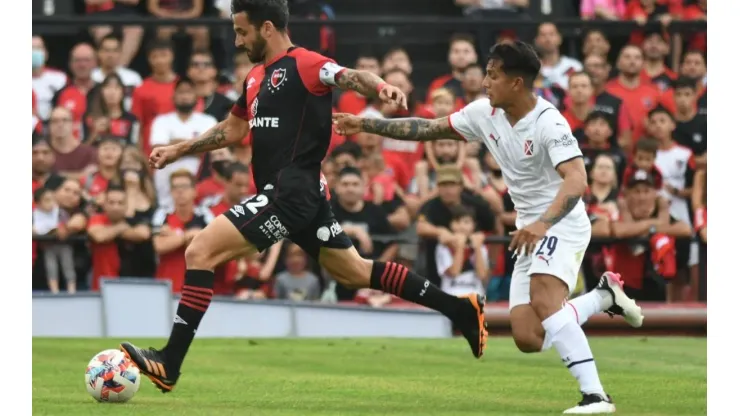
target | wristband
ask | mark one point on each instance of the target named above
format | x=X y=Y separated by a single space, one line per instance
x=380 y=87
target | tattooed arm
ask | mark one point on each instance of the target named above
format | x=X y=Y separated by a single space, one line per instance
x=223 y=134
x=574 y=184
x=364 y=82
x=411 y=129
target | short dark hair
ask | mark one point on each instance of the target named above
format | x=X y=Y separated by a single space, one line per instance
x=367 y=53
x=349 y=170
x=517 y=58
x=114 y=188
x=201 y=52
x=39 y=140
x=160 y=45
x=463 y=37
x=397 y=70
x=394 y=49
x=235 y=167
x=647 y=145
x=474 y=65
x=461 y=211
x=109 y=36
x=579 y=73
x=348 y=148
x=261 y=11
x=598 y=115
x=183 y=81
x=684 y=82
x=660 y=110
x=39 y=193
x=694 y=52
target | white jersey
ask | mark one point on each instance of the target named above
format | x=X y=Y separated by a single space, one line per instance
x=45 y=86
x=527 y=153
x=559 y=74
x=677 y=165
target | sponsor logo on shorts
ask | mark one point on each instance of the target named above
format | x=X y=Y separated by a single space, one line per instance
x=335 y=229
x=237 y=210
x=273 y=229
x=324 y=233
x=545 y=259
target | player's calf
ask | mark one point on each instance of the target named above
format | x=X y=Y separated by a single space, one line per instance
x=526 y=329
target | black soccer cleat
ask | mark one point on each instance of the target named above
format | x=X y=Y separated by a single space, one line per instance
x=152 y=364
x=472 y=324
x=621 y=304
x=593 y=404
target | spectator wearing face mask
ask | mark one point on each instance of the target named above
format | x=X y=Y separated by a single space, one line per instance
x=215 y=184
x=45 y=81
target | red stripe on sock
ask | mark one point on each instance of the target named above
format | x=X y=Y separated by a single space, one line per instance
x=204 y=303
x=191 y=306
x=196 y=295
x=384 y=276
x=401 y=280
x=198 y=289
x=392 y=278
x=578 y=321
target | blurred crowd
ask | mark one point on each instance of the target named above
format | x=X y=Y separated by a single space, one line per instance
x=640 y=118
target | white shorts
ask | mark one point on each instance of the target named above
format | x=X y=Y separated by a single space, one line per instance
x=558 y=254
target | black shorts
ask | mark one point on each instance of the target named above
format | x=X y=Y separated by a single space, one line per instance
x=304 y=217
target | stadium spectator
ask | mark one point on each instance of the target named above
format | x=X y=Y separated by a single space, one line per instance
x=442 y=153
x=202 y=70
x=472 y=83
x=111 y=60
x=696 y=11
x=182 y=124
x=598 y=69
x=638 y=98
x=72 y=158
x=46 y=222
x=132 y=35
x=603 y=190
x=183 y=10
x=154 y=96
x=596 y=43
x=103 y=230
x=351 y=101
x=416 y=108
x=691 y=127
x=646 y=268
x=108 y=171
x=603 y=9
x=556 y=68
x=435 y=215
x=106 y=114
x=694 y=67
x=596 y=142
x=550 y=92
x=461 y=54
x=462 y=263
x=214 y=185
x=646 y=150
x=174 y=228
x=45 y=81
x=656 y=49
x=296 y=282
x=74 y=96
x=580 y=105
x=396 y=58
x=140 y=199
x=396 y=151
x=644 y=11
x=42 y=164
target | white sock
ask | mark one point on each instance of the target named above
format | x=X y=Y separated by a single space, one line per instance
x=588 y=305
x=570 y=341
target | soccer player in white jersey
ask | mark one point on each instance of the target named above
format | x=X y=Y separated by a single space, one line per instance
x=543 y=168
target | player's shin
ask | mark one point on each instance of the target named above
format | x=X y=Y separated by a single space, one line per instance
x=398 y=280
x=570 y=341
x=196 y=297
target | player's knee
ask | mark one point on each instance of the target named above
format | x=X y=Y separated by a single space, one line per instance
x=547 y=295
x=197 y=255
x=353 y=274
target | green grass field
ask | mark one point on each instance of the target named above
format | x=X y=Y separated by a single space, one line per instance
x=645 y=376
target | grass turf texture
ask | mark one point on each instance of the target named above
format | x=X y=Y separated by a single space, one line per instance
x=645 y=376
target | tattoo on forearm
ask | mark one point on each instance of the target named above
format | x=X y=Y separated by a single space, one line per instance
x=213 y=139
x=412 y=129
x=569 y=203
x=366 y=83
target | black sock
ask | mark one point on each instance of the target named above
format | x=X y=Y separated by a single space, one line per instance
x=398 y=280
x=196 y=297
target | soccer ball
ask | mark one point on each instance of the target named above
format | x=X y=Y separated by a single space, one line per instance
x=111 y=377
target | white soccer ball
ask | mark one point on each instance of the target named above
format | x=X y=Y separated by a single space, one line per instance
x=111 y=377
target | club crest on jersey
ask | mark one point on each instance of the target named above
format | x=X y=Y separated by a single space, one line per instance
x=276 y=79
x=528 y=147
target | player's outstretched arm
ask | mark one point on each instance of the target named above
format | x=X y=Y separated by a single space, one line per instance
x=412 y=129
x=364 y=82
x=223 y=134
x=575 y=182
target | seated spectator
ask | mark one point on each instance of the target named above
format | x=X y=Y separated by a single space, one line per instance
x=396 y=58
x=463 y=262
x=555 y=67
x=596 y=142
x=184 y=10
x=46 y=222
x=646 y=151
x=174 y=228
x=132 y=35
x=110 y=234
x=108 y=170
x=74 y=96
x=435 y=215
x=296 y=283
x=461 y=54
x=106 y=115
x=72 y=159
x=691 y=126
x=472 y=83
x=603 y=9
x=595 y=42
x=647 y=269
x=113 y=58
x=140 y=199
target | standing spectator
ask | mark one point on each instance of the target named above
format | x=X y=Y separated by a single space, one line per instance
x=397 y=58
x=184 y=10
x=603 y=9
x=140 y=200
x=296 y=283
x=691 y=127
x=596 y=43
x=472 y=83
x=112 y=61
x=106 y=115
x=461 y=54
x=202 y=70
x=351 y=101
x=656 y=48
x=181 y=125
x=131 y=34
x=638 y=98
x=46 y=222
x=108 y=170
x=360 y=221
x=45 y=81
x=556 y=68
x=72 y=221
x=435 y=215
x=42 y=163
x=154 y=96
x=72 y=158
x=597 y=133
x=463 y=263
x=174 y=228
x=74 y=96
